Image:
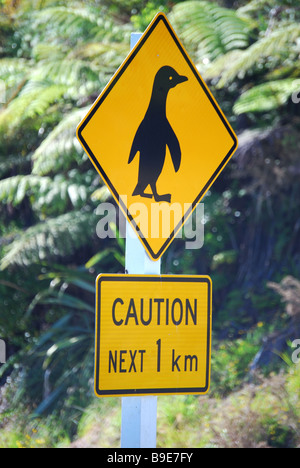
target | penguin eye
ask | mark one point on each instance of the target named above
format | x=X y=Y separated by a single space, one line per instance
x=171 y=78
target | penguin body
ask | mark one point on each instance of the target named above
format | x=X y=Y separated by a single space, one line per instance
x=155 y=134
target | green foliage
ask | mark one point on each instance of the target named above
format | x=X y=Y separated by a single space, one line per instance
x=144 y=18
x=63 y=353
x=57 y=237
x=34 y=100
x=231 y=362
x=273 y=47
x=267 y=96
x=47 y=195
x=62 y=57
x=60 y=141
x=210 y=29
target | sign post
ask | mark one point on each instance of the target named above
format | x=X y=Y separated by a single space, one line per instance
x=139 y=414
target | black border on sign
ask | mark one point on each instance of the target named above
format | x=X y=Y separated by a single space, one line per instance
x=102 y=97
x=154 y=279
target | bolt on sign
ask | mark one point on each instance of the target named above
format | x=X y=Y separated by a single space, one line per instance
x=153 y=335
x=157 y=137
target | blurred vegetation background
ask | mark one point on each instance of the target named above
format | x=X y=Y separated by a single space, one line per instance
x=55 y=58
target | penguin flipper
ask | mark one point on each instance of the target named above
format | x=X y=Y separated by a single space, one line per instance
x=135 y=145
x=174 y=147
x=132 y=155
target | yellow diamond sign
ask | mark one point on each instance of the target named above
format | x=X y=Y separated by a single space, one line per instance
x=157 y=137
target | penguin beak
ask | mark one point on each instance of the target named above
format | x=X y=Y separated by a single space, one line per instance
x=181 y=79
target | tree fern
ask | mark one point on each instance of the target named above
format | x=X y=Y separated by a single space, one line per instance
x=34 y=99
x=48 y=196
x=267 y=96
x=105 y=56
x=13 y=70
x=211 y=29
x=79 y=77
x=53 y=239
x=24 y=6
x=60 y=148
x=83 y=21
x=84 y=70
x=13 y=163
x=14 y=189
x=237 y=63
x=55 y=69
x=68 y=18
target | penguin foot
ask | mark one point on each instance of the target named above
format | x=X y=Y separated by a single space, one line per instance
x=142 y=194
x=161 y=198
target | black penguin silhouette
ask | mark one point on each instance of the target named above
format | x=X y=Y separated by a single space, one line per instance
x=155 y=134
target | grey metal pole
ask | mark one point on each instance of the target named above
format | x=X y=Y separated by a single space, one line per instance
x=139 y=414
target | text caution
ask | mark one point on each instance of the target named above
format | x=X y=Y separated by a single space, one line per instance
x=153 y=335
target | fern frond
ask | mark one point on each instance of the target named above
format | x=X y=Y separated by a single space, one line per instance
x=252 y=6
x=54 y=238
x=267 y=96
x=74 y=22
x=238 y=63
x=14 y=189
x=212 y=29
x=105 y=56
x=55 y=198
x=13 y=75
x=47 y=195
x=29 y=5
x=66 y=16
x=81 y=78
x=94 y=50
x=47 y=51
x=12 y=68
x=65 y=70
x=7 y=165
x=34 y=100
x=83 y=70
x=60 y=147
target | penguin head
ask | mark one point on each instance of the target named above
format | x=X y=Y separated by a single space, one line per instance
x=167 y=78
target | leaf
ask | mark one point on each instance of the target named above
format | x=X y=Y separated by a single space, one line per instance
x=56 y=237
x=61 y=324
x=68 y=19
x=267 y=96
x=66 y=300
x=239 y=62
x=84 y=285
x=14 y=189
x=13 y=70
x=46 y=194
x=59 y=148
x=98 y=258
x=211 y=29
x=34 y=100
x=47 y=402
x=59 y=346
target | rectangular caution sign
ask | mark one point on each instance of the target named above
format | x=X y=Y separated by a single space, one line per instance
x=153 y=335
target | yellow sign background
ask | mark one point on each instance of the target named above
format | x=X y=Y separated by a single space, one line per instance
x=157 y=345
x=206 y=139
